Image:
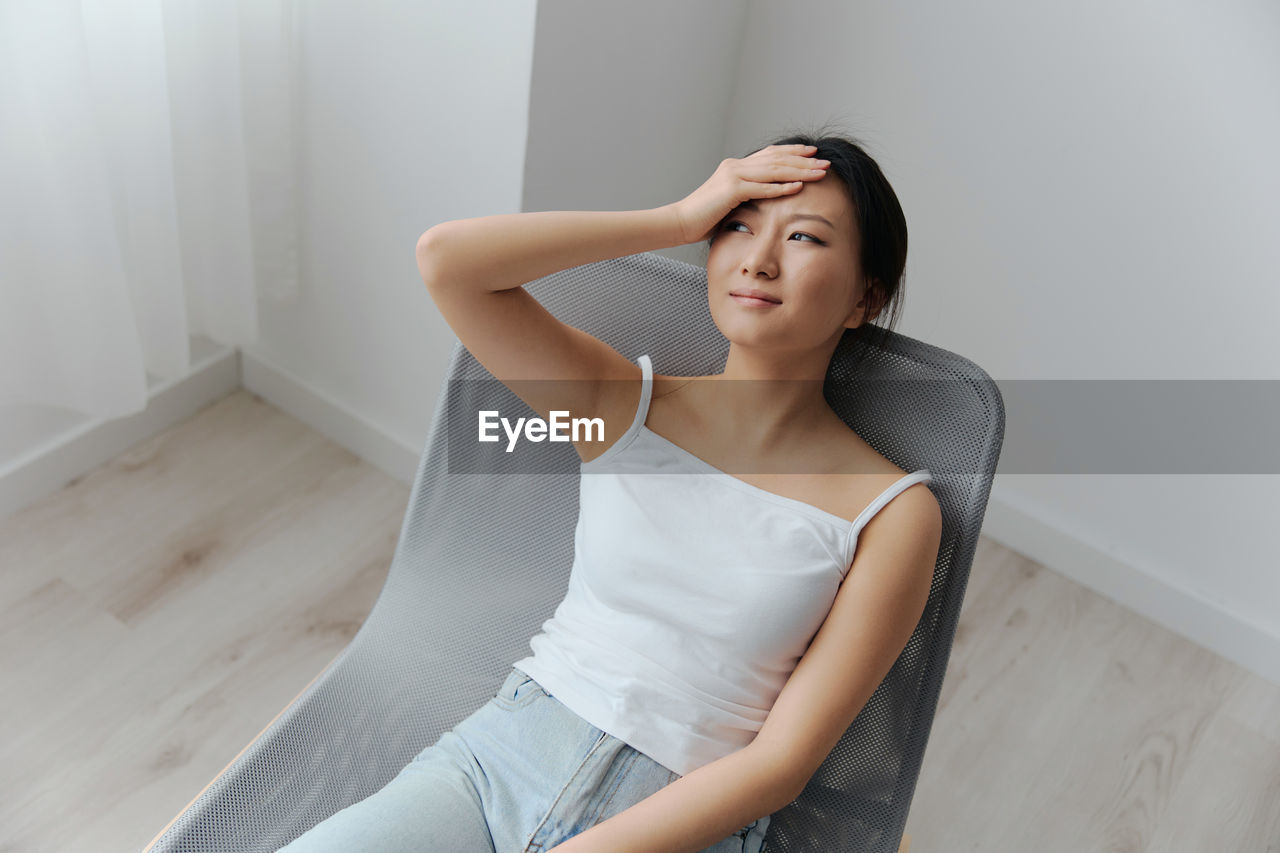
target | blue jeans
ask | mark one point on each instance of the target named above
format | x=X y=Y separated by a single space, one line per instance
x=520 y=775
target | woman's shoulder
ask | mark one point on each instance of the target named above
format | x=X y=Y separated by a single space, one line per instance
x=856 y=474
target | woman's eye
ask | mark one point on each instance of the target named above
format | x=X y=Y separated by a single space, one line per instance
x=729 y=227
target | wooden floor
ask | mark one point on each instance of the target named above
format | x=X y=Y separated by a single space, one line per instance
x=157 y=613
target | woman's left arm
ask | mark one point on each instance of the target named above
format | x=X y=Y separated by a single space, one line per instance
x=695 y=811
x=876 y=609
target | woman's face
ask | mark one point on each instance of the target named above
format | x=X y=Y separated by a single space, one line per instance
x=808 y=265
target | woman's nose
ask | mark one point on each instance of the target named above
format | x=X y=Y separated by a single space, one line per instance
x=761 y=257
x=760 y=261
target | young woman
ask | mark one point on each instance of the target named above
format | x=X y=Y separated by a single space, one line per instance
x=720 y=632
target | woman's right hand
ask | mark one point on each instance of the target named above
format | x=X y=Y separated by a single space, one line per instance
x=770 y=172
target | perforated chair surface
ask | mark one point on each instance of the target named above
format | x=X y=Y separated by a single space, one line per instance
x=484 y=555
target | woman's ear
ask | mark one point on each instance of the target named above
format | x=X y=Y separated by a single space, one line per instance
x=868 y=307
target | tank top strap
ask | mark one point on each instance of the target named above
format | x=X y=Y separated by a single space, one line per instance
x=921 y=476
x=642 y=412
x=646 y=393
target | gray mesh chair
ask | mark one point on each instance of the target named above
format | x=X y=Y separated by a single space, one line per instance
x=484 y=557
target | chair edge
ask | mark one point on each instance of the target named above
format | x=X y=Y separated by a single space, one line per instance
x=241 y=753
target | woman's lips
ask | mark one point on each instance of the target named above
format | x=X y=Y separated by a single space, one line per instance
x=751 y=300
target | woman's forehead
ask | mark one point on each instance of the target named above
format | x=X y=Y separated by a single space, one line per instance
x=816 y=197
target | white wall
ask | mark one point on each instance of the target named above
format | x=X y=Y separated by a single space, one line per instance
x=1091 y=192
x=629 y=103
x=412 y=113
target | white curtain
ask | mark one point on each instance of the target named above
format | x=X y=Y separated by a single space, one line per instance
x=146 y=189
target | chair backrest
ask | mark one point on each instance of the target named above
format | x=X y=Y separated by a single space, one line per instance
x=484 y=556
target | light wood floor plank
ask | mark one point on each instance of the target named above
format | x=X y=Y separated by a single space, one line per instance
x=159 y=611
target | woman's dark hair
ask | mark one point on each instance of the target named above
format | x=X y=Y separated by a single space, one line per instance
x=882 y=227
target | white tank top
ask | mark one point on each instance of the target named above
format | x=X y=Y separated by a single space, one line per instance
x=691 y=598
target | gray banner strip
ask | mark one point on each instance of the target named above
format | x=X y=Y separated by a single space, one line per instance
x=1055 y=426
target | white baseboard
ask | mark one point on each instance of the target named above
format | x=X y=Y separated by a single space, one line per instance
x=52 y=449
x=69 y=446
x=1182 y=611
x=331 y=418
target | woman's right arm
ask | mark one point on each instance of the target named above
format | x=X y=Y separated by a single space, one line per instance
x=508 y=250
x=475 y=269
